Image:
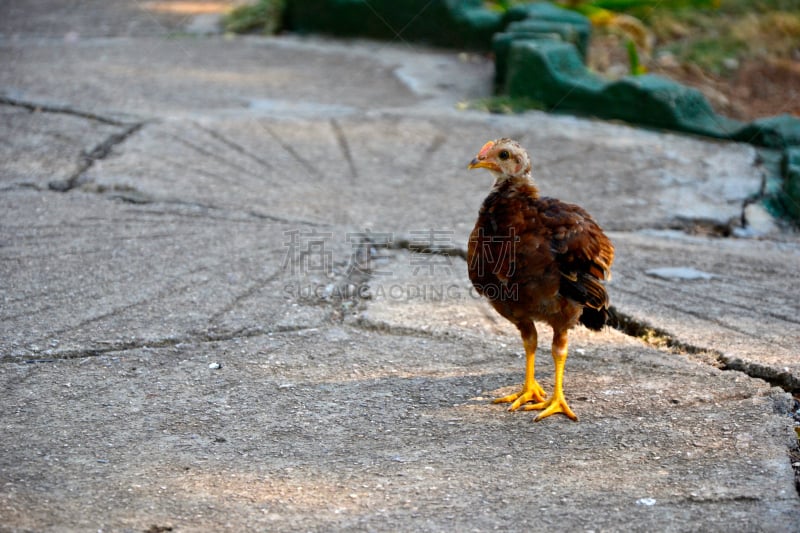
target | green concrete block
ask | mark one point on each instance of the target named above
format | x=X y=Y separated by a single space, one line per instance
x=790 y=171
x=501 y=46
x=779 y=132
x=577 y=34
x=474 y=27
x=455 y=23
x=529 y=29
x=656 y=101
x=545 y=11
x=538 y=21
x=790 y=159
x=304 y=16
x=552 y=72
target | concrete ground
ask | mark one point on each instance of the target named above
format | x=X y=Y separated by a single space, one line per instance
x=213 y=318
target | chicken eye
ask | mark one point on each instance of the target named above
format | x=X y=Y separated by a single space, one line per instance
x=503 y=155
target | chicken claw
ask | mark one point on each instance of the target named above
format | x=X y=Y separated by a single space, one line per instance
x=556 y=404
x=534 y=393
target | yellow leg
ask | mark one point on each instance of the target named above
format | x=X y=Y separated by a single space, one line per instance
x=556 y=403
x=531 y=390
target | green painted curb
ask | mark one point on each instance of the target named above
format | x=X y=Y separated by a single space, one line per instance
x=453 y=23
x=546 y=11
x=782 y=131
x=790 y=168
x=532 y=17
x=663 y=103
x=551 y=72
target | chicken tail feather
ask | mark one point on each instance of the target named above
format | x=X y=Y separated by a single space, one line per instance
x=594 y=318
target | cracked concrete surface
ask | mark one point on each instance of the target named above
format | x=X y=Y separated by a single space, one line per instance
x=46 y=146
x=171 y=355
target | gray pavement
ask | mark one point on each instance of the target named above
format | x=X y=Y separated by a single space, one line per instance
x=195 y=334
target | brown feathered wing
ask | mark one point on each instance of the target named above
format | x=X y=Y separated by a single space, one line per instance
x=583 y=254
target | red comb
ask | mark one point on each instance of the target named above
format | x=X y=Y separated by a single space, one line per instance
x=486 y=147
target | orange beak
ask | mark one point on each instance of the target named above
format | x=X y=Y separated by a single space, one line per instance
x=480 y=163
x=480 y=160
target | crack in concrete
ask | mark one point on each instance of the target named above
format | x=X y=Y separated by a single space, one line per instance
x=213 y=155
x=422 y=248
x=400 y=331
x=250 y=291
x=780 y=378
x=182 y=166
x=685 y=310
x=701 y=226
x=97 y=153
x=176 y=285
x=86 y=159
x=167 y=342
x=233 y=145
x=45 y=107
x=344 y=146
x=310 y=168
x=662 y=339
x=21 y=185
x=250 y=213
x=657 y=337
x=132 y=195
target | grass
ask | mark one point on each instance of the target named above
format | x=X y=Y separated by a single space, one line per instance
x=707 y=33
x=710 y=53
x=265 y=16
x=738 y=30
x=502 y=105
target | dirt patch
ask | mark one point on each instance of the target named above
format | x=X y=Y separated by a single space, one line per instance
x=757 y=89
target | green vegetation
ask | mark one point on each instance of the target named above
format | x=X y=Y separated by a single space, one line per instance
x=711 y=54
x=729 y=32
x=502 y=5
x=503 y=105
x=265 y=16
x=620 y=17
x=709 y=39
x=714 y=35
x=633 y=58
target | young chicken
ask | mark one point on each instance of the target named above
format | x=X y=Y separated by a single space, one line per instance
x=536 y=258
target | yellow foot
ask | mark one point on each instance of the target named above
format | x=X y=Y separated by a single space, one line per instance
x=556 y=404
x=534 y=393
